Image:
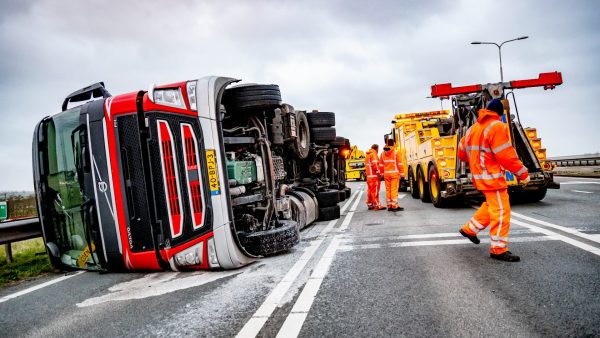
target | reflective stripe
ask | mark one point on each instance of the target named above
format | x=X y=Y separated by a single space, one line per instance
x=521 y=171
x=477 y=224
x=390 y=171
x=371 y=176
x=498 y=244
x=471 y=148
x=389 y=161
x=502 y=147
x=474 y=229
x=461 y=147
x=486 y=176
x=501 y=212
x=486 y=131
x=496 y=238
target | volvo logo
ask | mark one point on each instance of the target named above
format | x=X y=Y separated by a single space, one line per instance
x=102 y=186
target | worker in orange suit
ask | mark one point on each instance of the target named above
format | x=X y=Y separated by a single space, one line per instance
x=373 y=182
x=487 y=148
x=392 y=171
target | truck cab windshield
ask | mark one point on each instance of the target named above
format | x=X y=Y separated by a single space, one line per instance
x=69 y=216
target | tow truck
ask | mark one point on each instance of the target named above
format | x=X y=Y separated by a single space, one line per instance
x=198 y=174
x=428 y=143
x=355 y=165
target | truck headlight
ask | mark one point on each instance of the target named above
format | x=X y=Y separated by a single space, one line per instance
x=190 y=256
x=169 y=97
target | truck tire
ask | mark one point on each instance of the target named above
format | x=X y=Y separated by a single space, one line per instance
x=263 y=243
x=363 y=176
x=348 y=192
x=528 y=196
x=298 y=211
x=423 y=187
x=414 y=191
x=339 y=142
x=328 y=198
x=329 y=213
x=301 y=144
x=321 y=119
x=435 y=189
x=322 y=134
x=342 y=194
x=252 y=96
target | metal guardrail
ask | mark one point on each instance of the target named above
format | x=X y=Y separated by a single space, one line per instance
x=19 y=230
x=576 y=161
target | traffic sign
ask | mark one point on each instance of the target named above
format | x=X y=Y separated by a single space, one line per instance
x=3 y=211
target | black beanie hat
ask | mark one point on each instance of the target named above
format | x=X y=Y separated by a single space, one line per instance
x=496 y=106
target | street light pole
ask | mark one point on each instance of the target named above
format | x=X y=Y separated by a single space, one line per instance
x=499 y=50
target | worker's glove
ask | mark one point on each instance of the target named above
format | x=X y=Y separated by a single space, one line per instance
x=524 y=181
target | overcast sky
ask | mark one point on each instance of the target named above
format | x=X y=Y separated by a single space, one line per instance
x=364 y=60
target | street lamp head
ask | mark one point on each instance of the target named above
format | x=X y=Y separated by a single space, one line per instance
x=476 y=43
x=522 y=38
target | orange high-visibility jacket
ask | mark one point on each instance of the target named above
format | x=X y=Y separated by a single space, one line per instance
x=372 y=163
x=392 y=161
x=487 y=148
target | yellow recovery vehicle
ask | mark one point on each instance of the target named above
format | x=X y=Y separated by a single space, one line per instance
x=355 y=165
x=428 y=143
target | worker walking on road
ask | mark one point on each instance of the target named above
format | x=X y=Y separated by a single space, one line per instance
x=373 y=178
x=392 y=171
x=487 y=148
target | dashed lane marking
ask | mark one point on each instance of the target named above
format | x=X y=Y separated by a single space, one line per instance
x=583 y=192
x=578 y=182
x=260 y=317
x=39 y=286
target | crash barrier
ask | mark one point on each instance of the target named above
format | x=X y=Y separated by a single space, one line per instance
x=576 y=161
x=18 y=230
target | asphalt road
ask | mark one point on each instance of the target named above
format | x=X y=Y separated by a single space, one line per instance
x=370 y=273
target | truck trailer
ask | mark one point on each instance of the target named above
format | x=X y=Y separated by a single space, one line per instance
x=198 y=174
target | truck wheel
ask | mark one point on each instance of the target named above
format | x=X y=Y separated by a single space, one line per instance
x=423 y=187
x=348 y=192
x=252 y=96
x=414 y=191
x=363 y=176
x=342 y=194
x=322 y=134
x=321 y=119
x=328 y=198
x=435 y=189
x=263 y=243
x=329 y=213
x=301 y=145
x=402 y=186
x=528 y=196
x=298 y=212
x=338 y=142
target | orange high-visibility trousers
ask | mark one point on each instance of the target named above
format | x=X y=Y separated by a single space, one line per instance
x=392 y=182
x=495 y=213
x=373 y=187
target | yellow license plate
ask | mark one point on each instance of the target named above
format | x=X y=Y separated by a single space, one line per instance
x=213 y=176
x=85 y=255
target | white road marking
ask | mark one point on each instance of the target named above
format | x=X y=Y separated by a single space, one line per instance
x=348 y=247
x=295 y=319
x=558 y=227
x=401 y=196
x=273 y=300
x=563 y=238
x=348 y=217
x=39 y=286
x=156 y=284
x=583 y=192
x=578 y=182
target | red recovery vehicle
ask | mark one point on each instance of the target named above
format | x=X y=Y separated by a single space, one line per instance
x=197 y=174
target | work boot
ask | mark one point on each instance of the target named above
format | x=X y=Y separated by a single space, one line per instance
x=396 y=208
x=506 y=256
x=472 y=238
x=379 y=207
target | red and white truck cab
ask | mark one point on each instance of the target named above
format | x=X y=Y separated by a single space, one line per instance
x=181 y=177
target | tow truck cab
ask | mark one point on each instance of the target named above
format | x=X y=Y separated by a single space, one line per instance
x=149 y=180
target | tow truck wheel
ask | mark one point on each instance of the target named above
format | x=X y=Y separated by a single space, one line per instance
x=263 y=243
x=301 y=144
x=423 y=187
x=435 y=189
x=414 y=191
x=363 y=176
x=252 y=96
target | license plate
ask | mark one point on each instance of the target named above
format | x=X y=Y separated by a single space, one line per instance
x=213 y=176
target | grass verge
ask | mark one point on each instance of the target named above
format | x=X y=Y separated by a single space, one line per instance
x=29 y=260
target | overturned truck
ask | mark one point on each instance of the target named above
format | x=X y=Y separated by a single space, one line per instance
x=198 y=174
